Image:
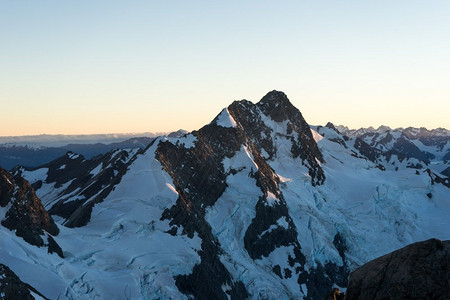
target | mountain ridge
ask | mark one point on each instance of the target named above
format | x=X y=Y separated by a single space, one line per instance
x=255 y=204
x=34 y=151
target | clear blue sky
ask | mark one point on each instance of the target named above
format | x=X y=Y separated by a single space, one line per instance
x=136 y=66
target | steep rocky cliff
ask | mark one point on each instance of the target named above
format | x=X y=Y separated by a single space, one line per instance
x=25 y=214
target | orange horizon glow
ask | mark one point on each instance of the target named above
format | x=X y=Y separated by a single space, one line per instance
x=158 y=67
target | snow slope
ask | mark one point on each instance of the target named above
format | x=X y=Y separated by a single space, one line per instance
x=124 y=252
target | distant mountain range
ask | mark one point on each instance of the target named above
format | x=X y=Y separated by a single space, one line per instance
x=257 y=204
x=424 y=144
x=59 y=140
x=33 y=151
x=430 y=147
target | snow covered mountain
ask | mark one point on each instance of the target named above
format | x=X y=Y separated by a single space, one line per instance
x=257 y=204
x=423 y=144
x=432 y=147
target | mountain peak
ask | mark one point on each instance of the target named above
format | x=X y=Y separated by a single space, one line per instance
x=277 y=105
x=331 y=126
x=383 y=128
x=275 y=96
x=258 y=122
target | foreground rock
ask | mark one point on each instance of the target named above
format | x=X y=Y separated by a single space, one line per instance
x=11 y=287
x=418 y=271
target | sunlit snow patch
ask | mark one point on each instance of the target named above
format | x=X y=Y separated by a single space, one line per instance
x=242 y=160
x=73 y=156
x=96 y=170
x=317 y=137
x=271 y=199
x=225 y=119
x=188 y=141
x=36 y=175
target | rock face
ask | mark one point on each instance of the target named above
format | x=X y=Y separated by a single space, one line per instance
x=277 y=107
x=418 y=271
x=11 y=287
x=200 y=179
x=26 y=214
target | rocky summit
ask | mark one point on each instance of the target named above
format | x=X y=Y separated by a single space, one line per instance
x=257 y=204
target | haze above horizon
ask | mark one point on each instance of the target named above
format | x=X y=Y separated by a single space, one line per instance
x=90 y=67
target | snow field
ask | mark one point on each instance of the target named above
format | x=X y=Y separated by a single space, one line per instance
x=123 y=252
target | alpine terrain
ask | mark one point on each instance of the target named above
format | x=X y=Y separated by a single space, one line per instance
x=256 y=204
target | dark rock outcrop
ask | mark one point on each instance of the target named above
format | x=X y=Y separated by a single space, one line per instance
x=437 y=179
x=371 y=153
x=12 y=288
x=418 y=271
x=406 y=147
x=26 y=214
x=446 y=172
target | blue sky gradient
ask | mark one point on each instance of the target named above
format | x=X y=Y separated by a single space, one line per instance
x=137 y=66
